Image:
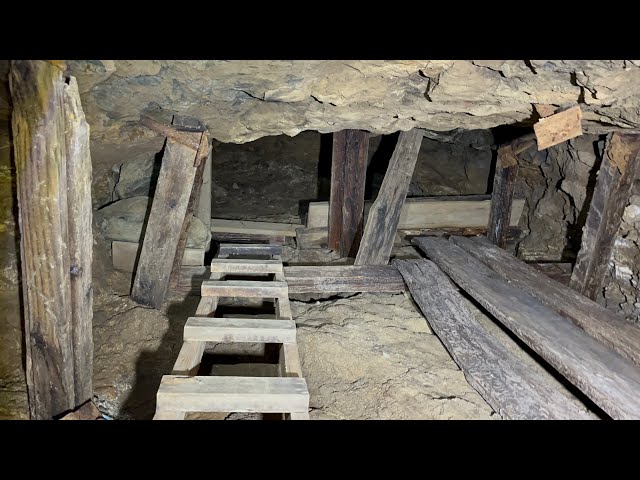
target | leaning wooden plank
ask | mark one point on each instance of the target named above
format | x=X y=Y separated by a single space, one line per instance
x=512 y=388
x=124 y=255
x=502 y=196
x=243 y=289
x=346 y=202
x=384 y=216
x=219 y=225
x=431 y=212
x=189 y=358
x=164 y=227
x=619 y=169
x=230 y=330
x=610 y=380
x=242 y=265
x=343 y=279
x=227 y=249
x=38 y=125
x=558 y=128
x=596 y=320
x=203 y=210
x=232 y=394
x=80 y=240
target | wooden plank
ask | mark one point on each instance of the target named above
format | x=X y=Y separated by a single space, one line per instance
x=558 y=271
x=222 y=237
x=619 y=169
x=431 y=212
x=237 y=330
x=38 y=126
x=243 y=289
x=164 y=227
x=327 y=279
x=166 y=415
x=558 y=128
x=610 y=380
x=346 y=201
x=227 y=249
x=513 y=233
x=233 y=394
x=124 y=255
x=384 y=217
x=79 y=173
x=502 y=196
x=597 y=321
x=208 y=305
x=511 y=387
x=317 y=237
x=219 y=225
x=189 y=358
x=242 y=265
x=203 y=210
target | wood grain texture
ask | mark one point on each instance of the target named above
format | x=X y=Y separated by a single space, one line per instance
x=619 y=169
x=513 y=389
x=602 y=324
x=251 y=238
x=243 y=289
x=558 y=128
x=346 y=201
x=343 y=279
x=38 y=127
x=502 y=196
x=203 y=209
x=220 y=225
x=189 y=358
x=607 y=378
x=384 y=216
x=227 y=249
x=242 y=265
x=238 y=330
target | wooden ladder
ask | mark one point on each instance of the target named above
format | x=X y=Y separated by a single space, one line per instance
x=184 y=391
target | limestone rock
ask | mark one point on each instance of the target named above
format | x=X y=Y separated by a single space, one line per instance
x=138 y=176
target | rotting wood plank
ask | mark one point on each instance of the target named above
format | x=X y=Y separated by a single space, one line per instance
x=229 y=330
x=227 y=249
x=384 y=216
x=242 y=265
x=610 y=380
x=327 y=279
x=38 y=126
x=619 y=169
x=512 y=388
x=346 y=202
x=559 y=127
x=244 y=289
x=251 y=238
x=502 y=196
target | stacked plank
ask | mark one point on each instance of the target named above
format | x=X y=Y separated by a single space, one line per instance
x=185 y=391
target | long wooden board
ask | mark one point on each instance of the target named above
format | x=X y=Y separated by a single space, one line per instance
x=220 y=225
x=343 y=279
x=610 y=380
x=251 y=330
x=502 y=196
x=513 y=389
x=431 y=212
x=596 y=320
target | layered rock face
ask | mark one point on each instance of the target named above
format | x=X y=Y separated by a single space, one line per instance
x=242 y=100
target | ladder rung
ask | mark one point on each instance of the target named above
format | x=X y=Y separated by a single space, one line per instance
x=244 y=289
x=249 y=249
x=237 y=330
x=243 y=265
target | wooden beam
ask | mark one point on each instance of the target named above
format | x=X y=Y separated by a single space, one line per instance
x=227 y=249
x=597 y=321
x=511 y=387
x=384 y=217
x=244 y=288
x=559 y=127
x=620 y=167
x=346 y=202
x=220 y=225
x=610 y=380
x=166 y=219
x=80 y=217
x=463 y=211
x=328 y=279
x=203 y=210
x=38 y=124
x=502 y=196
x=239 y=330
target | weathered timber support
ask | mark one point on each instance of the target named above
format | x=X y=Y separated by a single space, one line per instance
x=559 y=127
x=203 y=210
x=384 y=216
x=502 y=196
x=53 y=170
x=346 y=202
x=620 y=167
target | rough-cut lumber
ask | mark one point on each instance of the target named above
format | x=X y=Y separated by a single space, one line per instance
x=268 y=229
x=232 y=394
x=243 y=288
x=620 y=167
x=38 y=124
x=80 y=240
x=227 y=249
x=317 y=237
x=502 y=196
x=343 y=279
x=597 y=321
x=164 y=227
x=431 y=212
x=384 y=216
x=610 y=380
x=346 y=201
x=223 y=237
x=558 y=271
x=558 y=128
x=169 y=131
x=189 y=358
x=229 y=330
x=513 y=233
x=124 y=255
x=203 y=210
x=512 y=388
x=242 y=266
